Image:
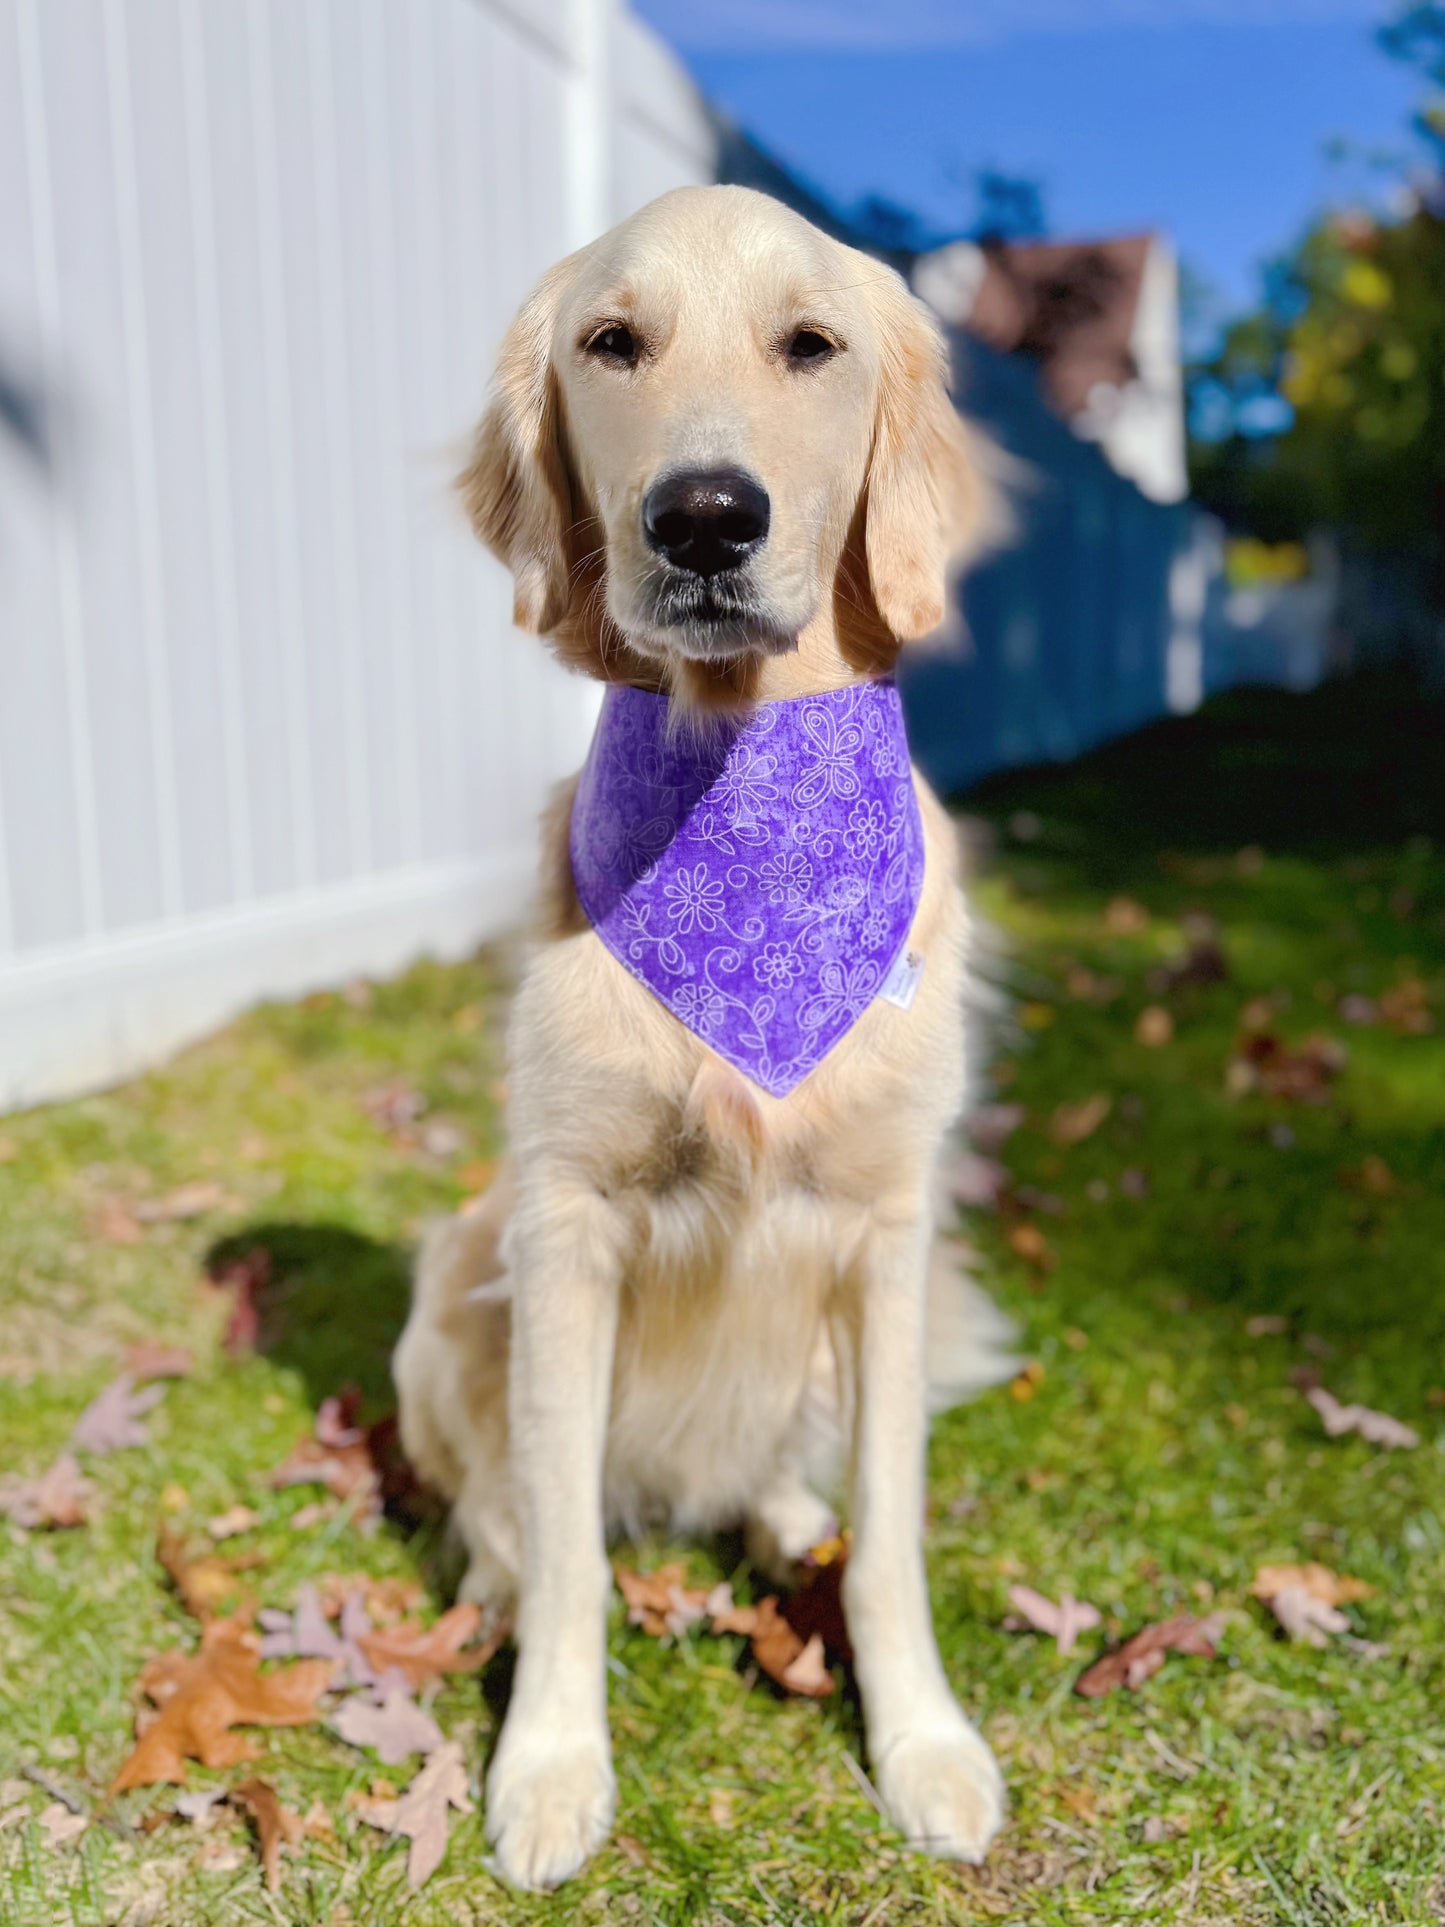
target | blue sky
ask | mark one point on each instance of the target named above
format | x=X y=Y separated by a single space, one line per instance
x=1208 y=118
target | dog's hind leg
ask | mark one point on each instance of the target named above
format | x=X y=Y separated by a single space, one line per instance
x=786 y=1520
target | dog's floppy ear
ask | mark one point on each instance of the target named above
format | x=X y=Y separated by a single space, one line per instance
x=927 y=502
x=516 y=487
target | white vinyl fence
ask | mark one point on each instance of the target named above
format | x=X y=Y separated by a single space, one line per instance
x=263 y=719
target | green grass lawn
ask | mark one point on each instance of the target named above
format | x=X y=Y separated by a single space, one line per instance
x=1161 y=1454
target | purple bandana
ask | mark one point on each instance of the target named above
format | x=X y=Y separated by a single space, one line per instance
x=760 y=878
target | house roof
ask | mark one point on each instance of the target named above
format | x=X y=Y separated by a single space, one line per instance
x=1071 y=305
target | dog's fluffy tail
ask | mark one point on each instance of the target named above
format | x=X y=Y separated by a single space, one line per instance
x=970 y=1341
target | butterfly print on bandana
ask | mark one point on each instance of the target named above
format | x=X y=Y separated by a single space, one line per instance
x=761 y=877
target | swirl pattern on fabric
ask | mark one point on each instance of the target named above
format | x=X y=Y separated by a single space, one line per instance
x=761 y=877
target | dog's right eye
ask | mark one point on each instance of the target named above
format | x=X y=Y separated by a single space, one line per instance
x=614 y=343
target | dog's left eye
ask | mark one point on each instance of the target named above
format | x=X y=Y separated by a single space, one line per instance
x=809 y=345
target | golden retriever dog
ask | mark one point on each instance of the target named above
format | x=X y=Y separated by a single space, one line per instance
x=721 y=464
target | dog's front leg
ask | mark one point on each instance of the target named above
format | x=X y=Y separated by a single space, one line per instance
x=936 y=1775
x=550 y=1790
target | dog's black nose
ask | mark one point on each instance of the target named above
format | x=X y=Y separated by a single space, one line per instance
x=706 y=522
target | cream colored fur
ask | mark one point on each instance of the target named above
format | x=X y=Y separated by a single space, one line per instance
x=683 y=1299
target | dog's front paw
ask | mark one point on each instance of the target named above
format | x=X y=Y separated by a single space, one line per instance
x=548 y=1811
x=944 y=1791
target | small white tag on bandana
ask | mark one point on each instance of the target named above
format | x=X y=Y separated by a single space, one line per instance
x=900 y=986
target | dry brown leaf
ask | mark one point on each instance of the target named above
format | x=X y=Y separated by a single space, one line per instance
x=422 y=1812
x=1139 y=1658
x=1062 y=1622
x=396 y=1729
x=1406 y=1007
x=386 y=1600
x=659 y=1602
x=1125 y=918
x=115 y=1223
x=236 y=1518
x=244 y=1277
x=992 y=1125
x=202 y=1696
x=1373 y=1177
x=1304 y=1616
x=276 y=1825
x=1334 y=1588
x=317 y=1823
x=186 y=1201
x=347 y=1471
x=780 y=1651
x=1073 y=1123
x=1030 y=1244
x=793 y=1638
x=1302 y=1075
x=111 y=1421
x=1378 y=1428
x=394 y=1106
x=426 y=1653
x=1154 y=1027
x=60 y=1824
x=204 y=1584
x=58 y=1496
x=153 y=1359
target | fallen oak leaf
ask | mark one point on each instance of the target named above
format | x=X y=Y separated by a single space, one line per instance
x=303 y=1633
x=235 y=1519
x=58 y=1496
x=1062 y=1622
x=196 y=1806
x=276 y=1825
x=60 y=1824
x=152 y=1359
x=1264 y=1062
x=659 y=1602
x=1073 y=1123
x=1377 y=1428
x=346 y=1470
x=112 y=1420
x=992 y=1125
x=395 y=1730
x=201 y=1696
x=425 y=1653
x=1305 y=1616
x=395 y=1107
x=1334 y=1588
x=422 y=1812
x=206 y=1583
x=186 y=1201
x=244 y=1277
x=1030 y=1244
x=386 y=1600
x=306 y=1633
x=336 y=1420
x=794 y=1663
x=1123 y=917
x=113 y=1221
x=1140 y=1657
x=1154 y=1028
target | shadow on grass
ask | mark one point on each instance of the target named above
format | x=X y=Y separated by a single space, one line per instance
x=1352 y=765
x=332 y=1306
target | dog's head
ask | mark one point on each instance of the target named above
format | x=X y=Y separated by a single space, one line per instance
x=711 y=429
